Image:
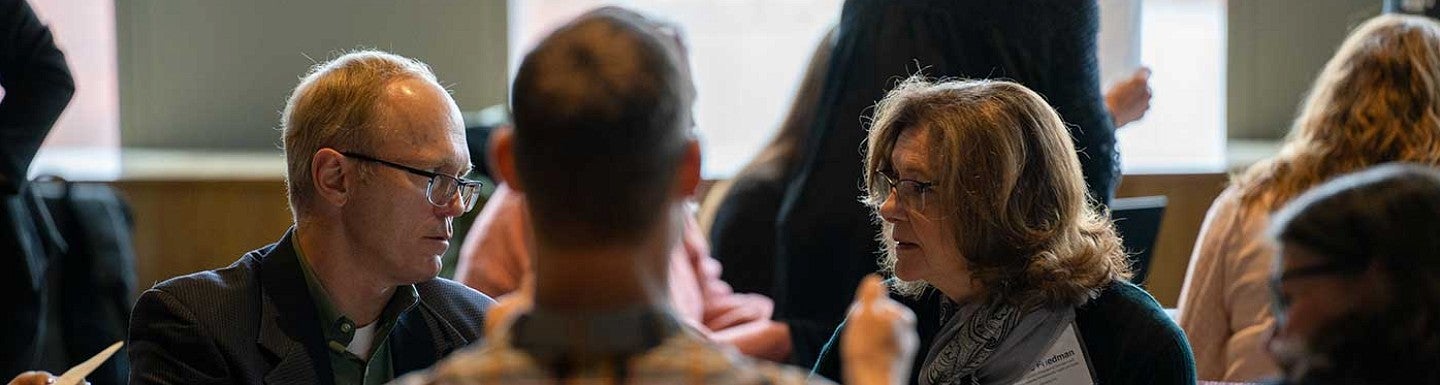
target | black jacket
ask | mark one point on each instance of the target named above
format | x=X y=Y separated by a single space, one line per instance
x=37 y=88
x=254 y=322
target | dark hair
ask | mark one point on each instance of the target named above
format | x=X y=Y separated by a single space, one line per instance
x=1387 y=219
x=602 y=111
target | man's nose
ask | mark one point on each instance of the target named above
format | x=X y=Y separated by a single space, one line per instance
x=453 y=207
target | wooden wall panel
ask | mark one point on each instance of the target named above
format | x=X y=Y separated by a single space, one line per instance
x=186 y=226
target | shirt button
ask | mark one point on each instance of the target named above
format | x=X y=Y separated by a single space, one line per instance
x=346 y=327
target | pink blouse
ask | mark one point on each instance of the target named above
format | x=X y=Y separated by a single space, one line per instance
x=1225 y=301
x=495 y=259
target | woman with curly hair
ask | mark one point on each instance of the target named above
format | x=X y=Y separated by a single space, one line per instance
x=1376 y=101
x=982 y=200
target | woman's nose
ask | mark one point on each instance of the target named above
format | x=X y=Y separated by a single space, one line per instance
x=890 y=209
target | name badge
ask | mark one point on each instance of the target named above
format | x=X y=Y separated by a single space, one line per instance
x=1063 y=363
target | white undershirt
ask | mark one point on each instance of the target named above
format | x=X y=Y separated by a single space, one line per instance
x=362 y=342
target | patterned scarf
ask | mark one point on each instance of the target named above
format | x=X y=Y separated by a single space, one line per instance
x=963 y=351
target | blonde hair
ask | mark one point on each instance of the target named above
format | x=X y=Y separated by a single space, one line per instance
x=1007 y=167
x=334 y=107
x=1376 y=101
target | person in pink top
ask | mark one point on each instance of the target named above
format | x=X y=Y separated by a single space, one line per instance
x=495 y=259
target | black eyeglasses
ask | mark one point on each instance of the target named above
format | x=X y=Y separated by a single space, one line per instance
x=1282 y=301
x=441 y=190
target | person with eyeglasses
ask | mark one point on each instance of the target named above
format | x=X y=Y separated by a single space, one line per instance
x=1357 y=280
x=376 y=162
x=987 y=234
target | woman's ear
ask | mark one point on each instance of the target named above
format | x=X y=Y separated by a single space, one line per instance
x=688 y=180
x=501 y=157
x=329 y=177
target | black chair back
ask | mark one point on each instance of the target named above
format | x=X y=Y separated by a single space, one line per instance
x=1137 y=220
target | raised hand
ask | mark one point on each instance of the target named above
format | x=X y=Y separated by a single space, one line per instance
x=879 y=340
x=1130 y=99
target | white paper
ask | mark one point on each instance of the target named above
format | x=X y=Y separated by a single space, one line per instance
x=1118 y=44
x=1063 y=364
x=76 y=375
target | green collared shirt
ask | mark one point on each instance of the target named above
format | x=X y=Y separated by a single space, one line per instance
x=348 y=367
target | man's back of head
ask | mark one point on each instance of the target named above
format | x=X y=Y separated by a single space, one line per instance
x=602 y=117
x=602 y=151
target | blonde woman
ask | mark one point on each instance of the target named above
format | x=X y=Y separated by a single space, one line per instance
x=1377 y=100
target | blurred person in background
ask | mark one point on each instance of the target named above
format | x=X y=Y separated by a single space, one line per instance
x=1357 y=280
x=1377 y=100
x=36 y=88
x=619 y=130
x=496 y=259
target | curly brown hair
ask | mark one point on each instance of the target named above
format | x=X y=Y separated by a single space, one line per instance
x=1008 y=169
x=1376 y=101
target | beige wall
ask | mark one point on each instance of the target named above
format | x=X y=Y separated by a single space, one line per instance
x=1275 y=49
x=215 y=74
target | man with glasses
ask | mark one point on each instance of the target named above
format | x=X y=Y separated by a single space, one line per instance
x=376 y=159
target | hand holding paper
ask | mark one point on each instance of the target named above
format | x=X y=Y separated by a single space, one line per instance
x=76 y=375
x=33 y=378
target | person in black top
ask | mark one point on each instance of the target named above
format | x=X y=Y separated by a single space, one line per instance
x=739 y=213
x=37 y=86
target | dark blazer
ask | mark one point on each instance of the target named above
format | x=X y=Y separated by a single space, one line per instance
x=254 y=322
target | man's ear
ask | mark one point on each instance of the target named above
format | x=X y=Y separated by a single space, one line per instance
x=688 y=180
x=328 y=175
x=501 y=157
